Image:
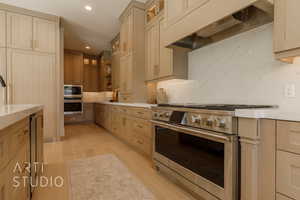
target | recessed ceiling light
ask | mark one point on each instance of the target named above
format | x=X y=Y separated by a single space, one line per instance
x=88 y=8
x=88 y=47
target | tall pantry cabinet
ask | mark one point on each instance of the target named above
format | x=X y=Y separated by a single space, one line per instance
x=30 y=42
x=132 y=52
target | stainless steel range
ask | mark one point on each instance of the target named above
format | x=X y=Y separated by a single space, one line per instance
x=197 y=146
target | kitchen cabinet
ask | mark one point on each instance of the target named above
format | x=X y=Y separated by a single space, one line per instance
x=130 y=124
x=105 y=71
x=44 y=35
x=162 y=62
x=126 y=75
x=132 y=48
x=40 y=87
x=91 y=70
x=152 y=52
x=286 y=31
x=103 y=116
x=40 y=141
x=184 y=17
x=2 y=29
x=115 y=63
x=73 y=68
x=19 y=31
x=127 y=34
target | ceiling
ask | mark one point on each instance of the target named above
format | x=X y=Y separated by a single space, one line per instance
x=94 y=28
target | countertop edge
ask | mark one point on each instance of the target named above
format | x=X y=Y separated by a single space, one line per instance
x=17 y=113
x=137 y=105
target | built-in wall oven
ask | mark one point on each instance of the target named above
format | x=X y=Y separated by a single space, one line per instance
x=73 y=99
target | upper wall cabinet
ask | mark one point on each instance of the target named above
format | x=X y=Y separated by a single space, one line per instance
x=184 y=17
x=19 y=31
x=73 y=68
x=2 y=29
x=28 y=33
x=44 y=33
x=126 y=34
x=286 y=29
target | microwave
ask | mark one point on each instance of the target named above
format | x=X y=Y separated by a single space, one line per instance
x=71 y=91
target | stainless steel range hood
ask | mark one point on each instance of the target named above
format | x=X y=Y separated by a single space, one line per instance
x=251 y=17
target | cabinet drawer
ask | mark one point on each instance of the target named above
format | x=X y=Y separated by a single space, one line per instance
x=281 y=197
x=288 y=136
x=288 y=174
x=142 y=127
x=140 y=113
x=142 y=144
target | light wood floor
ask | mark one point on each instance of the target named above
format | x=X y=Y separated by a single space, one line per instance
x=88 y=140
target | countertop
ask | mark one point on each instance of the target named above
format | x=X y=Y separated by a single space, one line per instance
x=276 y=113
x=139 y=105
x=10 y=114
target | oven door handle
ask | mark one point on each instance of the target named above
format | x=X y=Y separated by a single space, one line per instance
x=196 y=132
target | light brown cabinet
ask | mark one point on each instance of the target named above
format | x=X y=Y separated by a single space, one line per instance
x=286 y=31
x=73 y=68
x=105 y=71
x=126 y=72
x=19 y=31
x=115 y=63
x=3 y=72
x=162 y=62
x=91 y=71
x=30 y=33
x=2 y=29
x=14 y=149
x=288 y=174
x=44 y=35
x=132 y=48
x=130 y=124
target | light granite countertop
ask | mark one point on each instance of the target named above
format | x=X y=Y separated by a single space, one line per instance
x=10 y=114
x=277 y=114
x=139 y=105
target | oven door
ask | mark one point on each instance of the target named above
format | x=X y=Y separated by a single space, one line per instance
x=73 y=107
x=205 y=158
x=73 y=91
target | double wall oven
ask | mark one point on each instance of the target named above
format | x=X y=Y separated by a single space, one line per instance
x=197 y=146
x=73 y=99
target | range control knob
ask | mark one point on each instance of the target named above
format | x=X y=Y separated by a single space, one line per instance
x=196 y=119
x=167 y=115
x=209 y=122
x=222 y=123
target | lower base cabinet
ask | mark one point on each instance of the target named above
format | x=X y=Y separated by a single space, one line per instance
x=129 y=124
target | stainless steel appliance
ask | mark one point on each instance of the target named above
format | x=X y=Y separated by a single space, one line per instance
x=73 y=99
x=73 y=91
x=33 y=154
x=197 y=145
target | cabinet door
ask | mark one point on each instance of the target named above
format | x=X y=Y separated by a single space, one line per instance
x=286 y=25
x=126 y=75
x=73 y=69
x=2 y=29
x=124 y=37
x=32 y=80
x=3 y=74
x=115 y=63
x=166 y=54
x=152 y=52
x=288 y=174
x=174 y=10
x=19 y=31
x=44 y=35
x=130 y=33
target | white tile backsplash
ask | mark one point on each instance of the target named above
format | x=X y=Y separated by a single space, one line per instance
x=238 y=70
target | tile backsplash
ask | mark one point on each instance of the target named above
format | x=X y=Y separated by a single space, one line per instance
x=238 y=70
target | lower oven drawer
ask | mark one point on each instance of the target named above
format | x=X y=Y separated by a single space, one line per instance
x=73 y=107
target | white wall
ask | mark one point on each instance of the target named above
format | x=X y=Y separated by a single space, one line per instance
x=239 y=70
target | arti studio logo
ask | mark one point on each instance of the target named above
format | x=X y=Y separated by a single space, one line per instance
x=32 y=174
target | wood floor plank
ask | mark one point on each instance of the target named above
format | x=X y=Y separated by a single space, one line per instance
x=88 y=140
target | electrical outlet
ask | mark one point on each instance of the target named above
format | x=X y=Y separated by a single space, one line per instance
x=290 y=91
